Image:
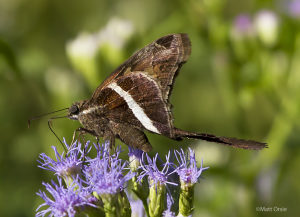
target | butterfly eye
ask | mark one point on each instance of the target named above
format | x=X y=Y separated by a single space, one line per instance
x=74 y=109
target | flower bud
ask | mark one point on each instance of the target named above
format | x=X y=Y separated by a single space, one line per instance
x=186 y=199
x=157 y=199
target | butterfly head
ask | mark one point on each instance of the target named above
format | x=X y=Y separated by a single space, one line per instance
x=75 y=110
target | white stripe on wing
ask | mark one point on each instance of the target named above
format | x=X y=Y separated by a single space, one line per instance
x=135 y=108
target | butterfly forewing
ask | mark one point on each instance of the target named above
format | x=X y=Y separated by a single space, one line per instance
x=161 y=60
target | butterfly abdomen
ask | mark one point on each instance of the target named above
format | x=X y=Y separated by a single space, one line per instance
x=233 y=142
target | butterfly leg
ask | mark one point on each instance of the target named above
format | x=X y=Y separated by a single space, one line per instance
x=110 y=137
x=81 y=131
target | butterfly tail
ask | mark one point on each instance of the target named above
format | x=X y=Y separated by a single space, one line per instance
x=233 y=142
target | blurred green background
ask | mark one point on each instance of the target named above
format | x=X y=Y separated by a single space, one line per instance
x=242 y=80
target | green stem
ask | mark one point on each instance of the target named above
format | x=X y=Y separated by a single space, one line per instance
x=146 y=207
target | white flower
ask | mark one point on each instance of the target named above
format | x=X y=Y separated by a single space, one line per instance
x=266 y=24
x=84 y=45
x=115 y=33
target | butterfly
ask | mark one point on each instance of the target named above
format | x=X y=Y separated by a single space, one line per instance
x=135 y=99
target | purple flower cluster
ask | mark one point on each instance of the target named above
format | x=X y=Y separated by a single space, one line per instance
x=88 y=182
x=104 y=174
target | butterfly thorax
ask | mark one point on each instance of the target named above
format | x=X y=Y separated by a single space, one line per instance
x=90 y=116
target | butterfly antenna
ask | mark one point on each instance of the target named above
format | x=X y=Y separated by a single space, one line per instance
x=43 y=115
x=50 y=127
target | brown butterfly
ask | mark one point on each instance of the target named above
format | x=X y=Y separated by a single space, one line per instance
x=135 y=98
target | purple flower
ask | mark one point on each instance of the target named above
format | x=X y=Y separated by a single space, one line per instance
x=242 y=27
x=187 y=170
x=63 y=201
x=293 y=8
x=105 y=173
x=135 y=156
x=168 y=212
x=64 y=166
x=155 y=175
x=243 y=24
x=135 y=152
